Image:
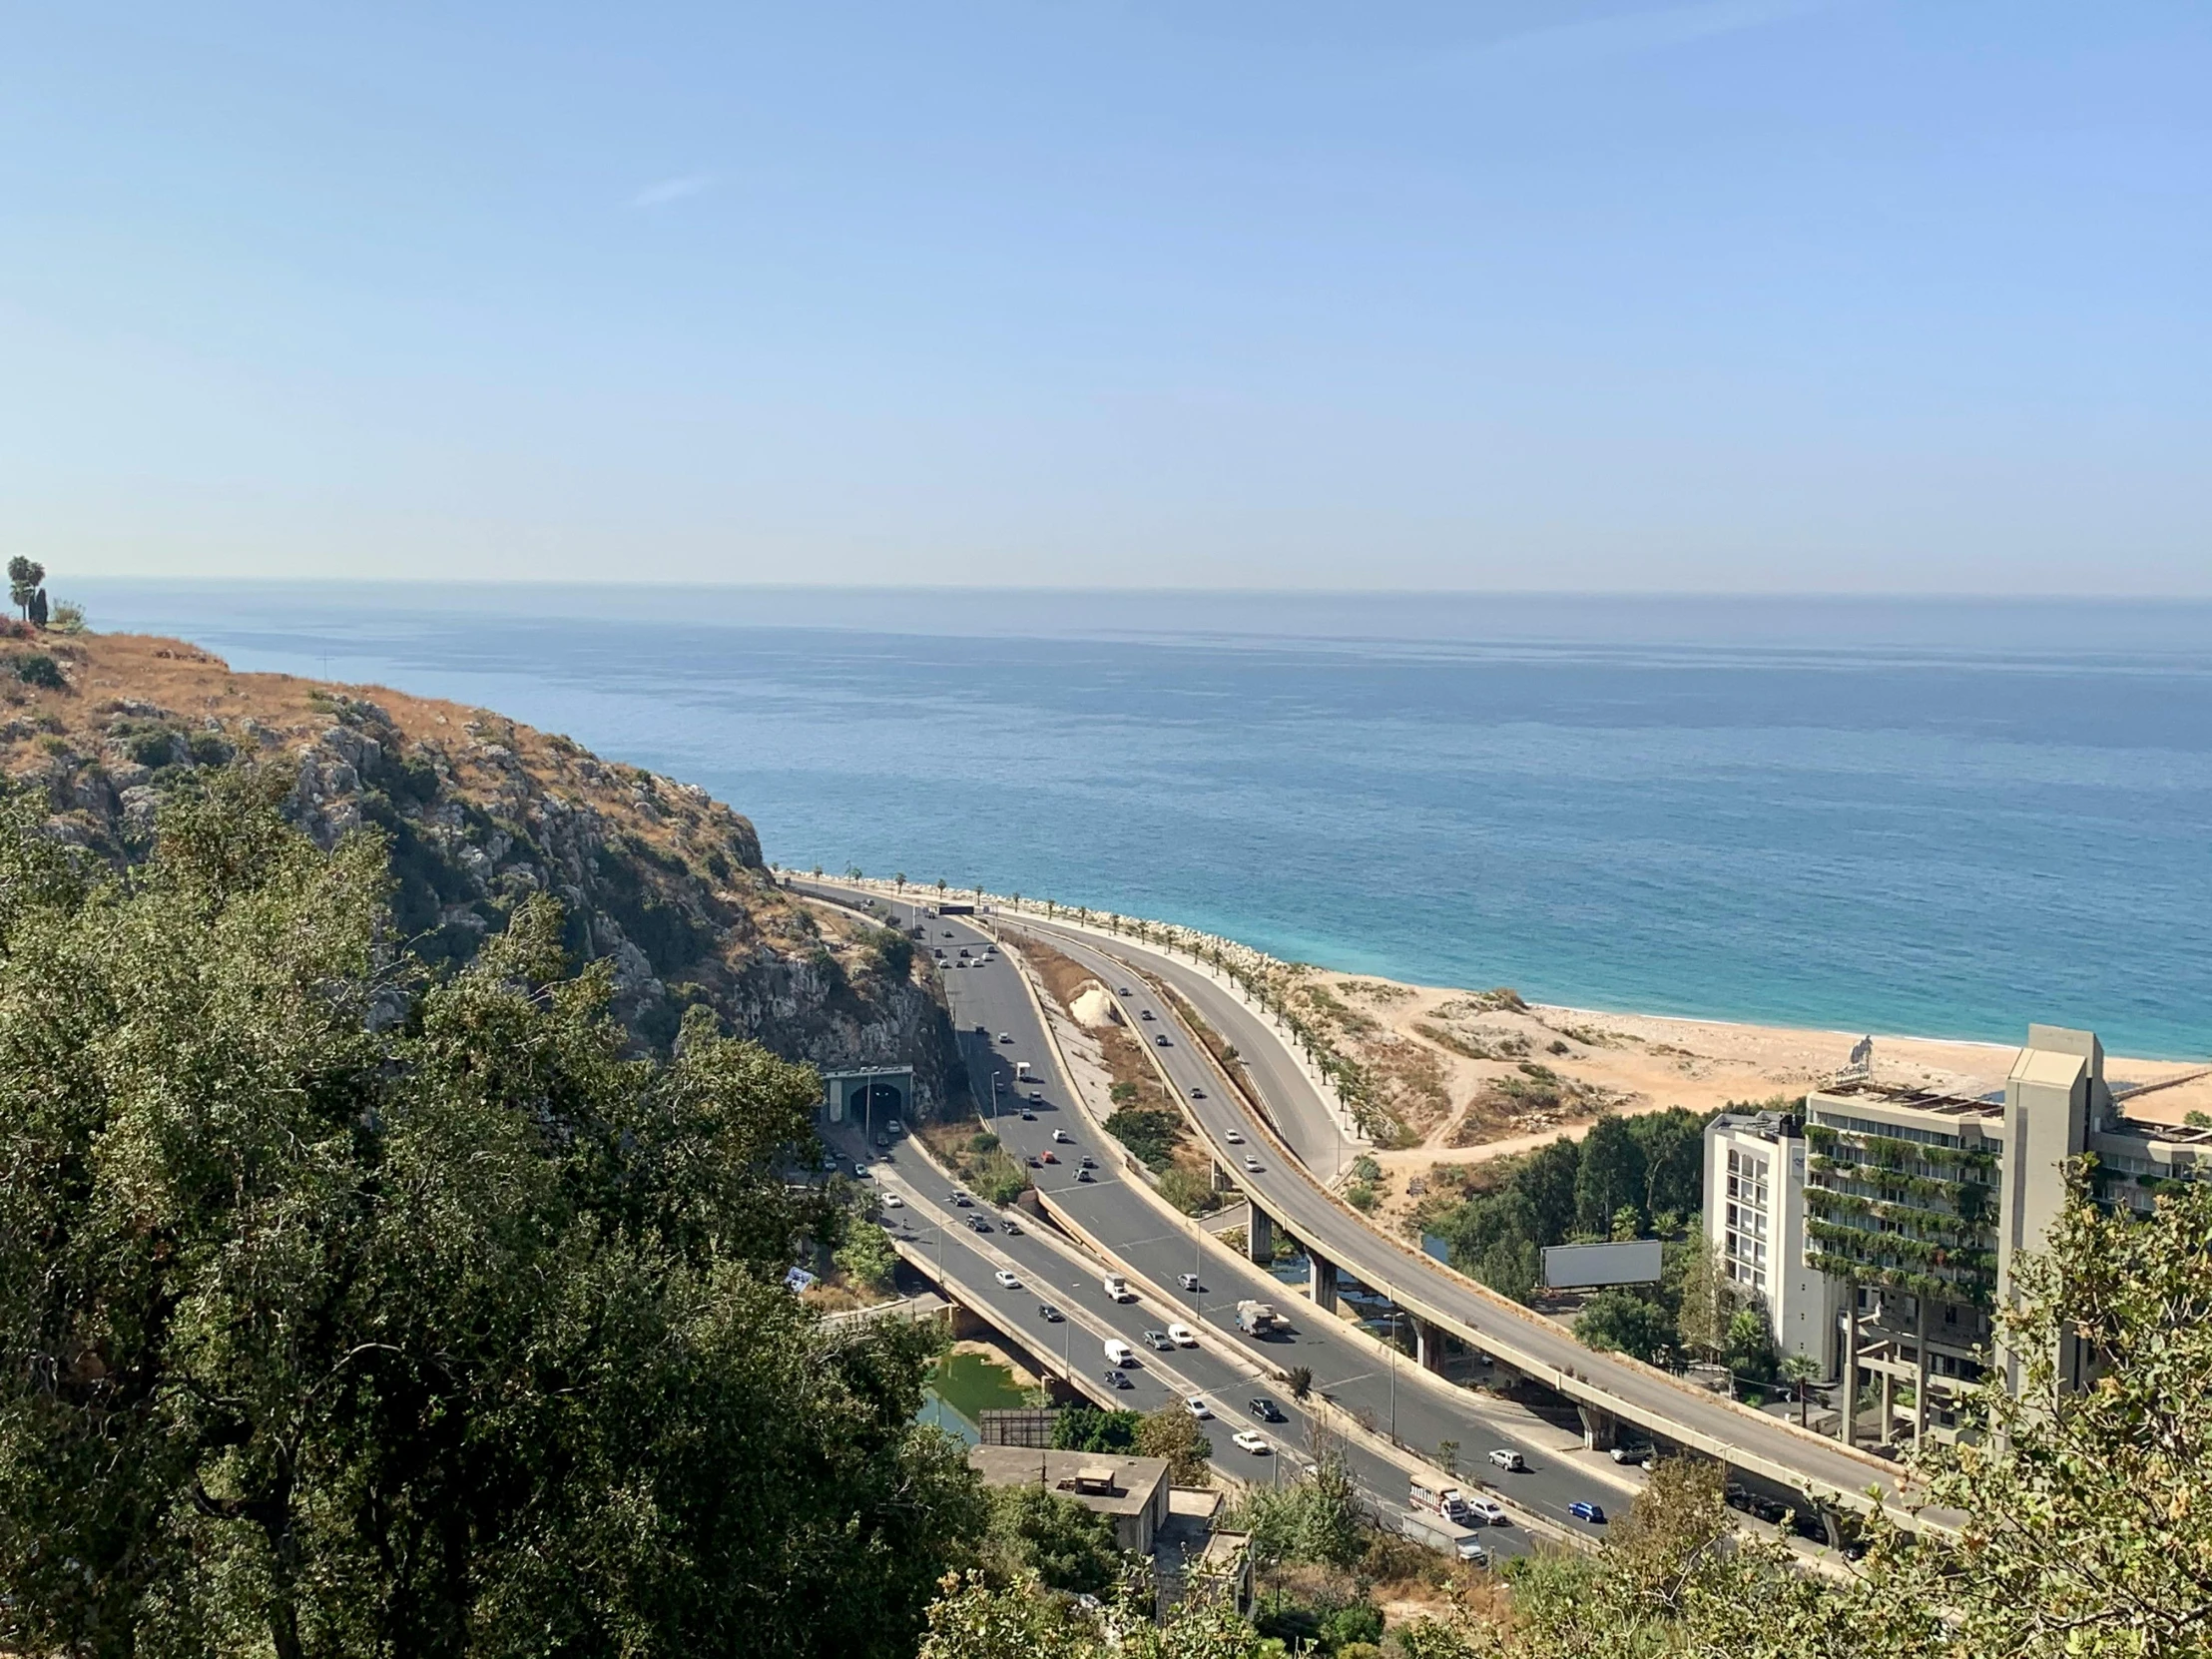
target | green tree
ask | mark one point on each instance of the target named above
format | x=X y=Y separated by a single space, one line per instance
x=1610 y=1176
x=1068 y=1548
x=1511 y=1267
x=24 y=577
x=455 y=1333
x=1624 y=1322
x=866 y=1254
x=1547 y=1178
x=1672 y=1143
x=1800 y=1369
x=1086 y=1428
x=1173 y=1433
x=1750 y=1351
x=1701 y=1301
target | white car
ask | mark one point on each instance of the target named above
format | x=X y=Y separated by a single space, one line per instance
x=1483 y=1511
x=1007 y=1280
x=891 y=1201
x=1234 y=1138
x=1246 y=1440
x=1197 y=1407
x=1063 y=1137
x=1251 y=1163
x=1182 y=1336
x=1506 y=1457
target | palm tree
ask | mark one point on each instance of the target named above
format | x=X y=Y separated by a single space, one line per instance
x=900 y=878
x=1798 y=1370
x=941 y=883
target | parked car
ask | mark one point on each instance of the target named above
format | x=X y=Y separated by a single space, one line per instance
x=1006 y=1280
x=1512 y=1461
x=883 y=1142
x=1582 y=1509
x=1638 y=1454
x=896 y=1127
x=1246 y=1440
x=1264 y=1409
x=1197 y=1407
x=860 y=1171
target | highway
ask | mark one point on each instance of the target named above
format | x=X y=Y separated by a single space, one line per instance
x=988 y=1000
x=934 y=1236
x=1677 y=1413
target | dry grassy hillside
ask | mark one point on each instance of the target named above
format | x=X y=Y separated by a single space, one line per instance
x=657 y=877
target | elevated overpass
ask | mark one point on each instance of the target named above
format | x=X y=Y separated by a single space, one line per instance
x=1124 y=1221
x=1610 y=1389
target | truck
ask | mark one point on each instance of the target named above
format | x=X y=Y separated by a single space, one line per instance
x=1258 y=1319
x=1117 y=1289
x=1021 y=1071
x=1448 y=1536
x=1449 y=1502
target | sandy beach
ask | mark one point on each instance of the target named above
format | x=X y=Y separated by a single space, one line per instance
x=1474 y=1075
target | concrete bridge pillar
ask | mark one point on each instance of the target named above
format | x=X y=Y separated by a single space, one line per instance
x=1600 y=1429
x=1851 y=1365
x=1320 y=1281
x=1260 y=1235
x=1429 y=1346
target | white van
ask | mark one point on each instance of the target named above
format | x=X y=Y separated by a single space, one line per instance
x=1119 y=1352
x=1117 y=1289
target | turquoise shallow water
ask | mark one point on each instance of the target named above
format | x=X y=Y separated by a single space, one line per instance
x=1942 y=818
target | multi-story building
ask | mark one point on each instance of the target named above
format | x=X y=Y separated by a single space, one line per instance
x=1892 y=1218
x=1755 y=1213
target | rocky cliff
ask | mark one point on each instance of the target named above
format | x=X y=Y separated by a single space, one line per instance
x=659 y=880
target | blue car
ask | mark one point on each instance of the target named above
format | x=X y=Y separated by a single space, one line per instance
x=1584 y=1511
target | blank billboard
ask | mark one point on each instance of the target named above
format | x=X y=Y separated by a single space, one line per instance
x=1571 y=1267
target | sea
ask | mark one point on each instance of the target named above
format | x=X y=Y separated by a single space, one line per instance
x=1935 y=816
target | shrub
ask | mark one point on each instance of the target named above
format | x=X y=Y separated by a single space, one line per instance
x=35 y=668
x=1192 y=1194
x=1360 y=1197
x=1151 y=1132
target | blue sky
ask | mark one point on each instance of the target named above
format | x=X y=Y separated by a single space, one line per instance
x=1737 y=294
